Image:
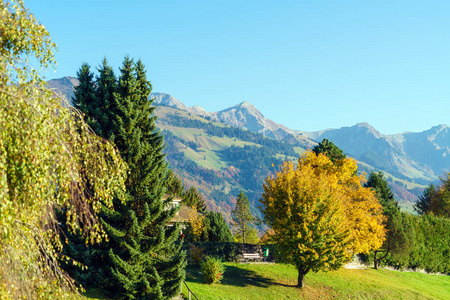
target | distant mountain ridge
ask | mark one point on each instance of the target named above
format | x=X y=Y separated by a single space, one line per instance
x=243 y=115
x=65 y=85
x=421 y=157
x=416 y=157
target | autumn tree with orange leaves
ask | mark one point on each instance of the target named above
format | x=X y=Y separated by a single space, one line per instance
x=321 y=214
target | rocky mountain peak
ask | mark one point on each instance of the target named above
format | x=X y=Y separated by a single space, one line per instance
x=368 y=129
x=440 y=127
x=167 y=100
x=245 y=109
x=246 y=104
x=364 y=124
x=65 y=85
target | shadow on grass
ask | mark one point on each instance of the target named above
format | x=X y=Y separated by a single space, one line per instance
x=234 y=275
x=221 y=155
x=286 y=285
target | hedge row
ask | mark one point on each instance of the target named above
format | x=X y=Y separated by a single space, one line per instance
x=232 y=252
x=429 y=246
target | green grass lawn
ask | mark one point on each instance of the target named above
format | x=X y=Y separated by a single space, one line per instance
x=278 y=281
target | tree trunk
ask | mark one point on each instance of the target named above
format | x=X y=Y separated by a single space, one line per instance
x=375 y=261
x=301 y=276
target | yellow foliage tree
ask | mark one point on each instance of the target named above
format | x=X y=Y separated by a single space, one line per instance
x=320 y=213
x=196 y=223
x=267 y=236
x=48 y=157
x=363 y=210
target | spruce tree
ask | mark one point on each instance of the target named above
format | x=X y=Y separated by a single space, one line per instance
x=216 y=228
x=106 y=85
x=328 y=148
x=243 y=219
x=84 y=98
x=174 y=185
x=141 y=260
x=192 y=198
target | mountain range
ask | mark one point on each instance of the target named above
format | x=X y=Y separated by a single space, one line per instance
x=409 y=160
x=420 y=157
x=244 y=115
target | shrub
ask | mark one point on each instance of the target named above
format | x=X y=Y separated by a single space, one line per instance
x=213 y=269
x=196 y=255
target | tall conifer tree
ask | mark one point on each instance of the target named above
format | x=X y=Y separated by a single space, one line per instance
x=192 y=198
x=106 y=85
x=216 y=228
x=423 y=204
x=243 y=218
x=141 y=259
x=84 y=98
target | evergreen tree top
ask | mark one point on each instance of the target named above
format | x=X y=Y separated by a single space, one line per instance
x=384 y=194
x=328 y=148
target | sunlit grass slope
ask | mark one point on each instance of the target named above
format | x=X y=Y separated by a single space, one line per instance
x=277 y=281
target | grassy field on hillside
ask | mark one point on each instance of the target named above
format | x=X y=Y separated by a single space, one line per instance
x=209 y=146
x=277 y=281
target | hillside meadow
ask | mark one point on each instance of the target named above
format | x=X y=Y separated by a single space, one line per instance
x=278 y=281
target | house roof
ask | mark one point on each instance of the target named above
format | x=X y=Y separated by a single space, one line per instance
x=184 y=214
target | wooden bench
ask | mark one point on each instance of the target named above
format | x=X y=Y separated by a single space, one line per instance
x=255 y=256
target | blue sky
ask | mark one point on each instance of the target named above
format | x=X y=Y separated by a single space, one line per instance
x=309 y=65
